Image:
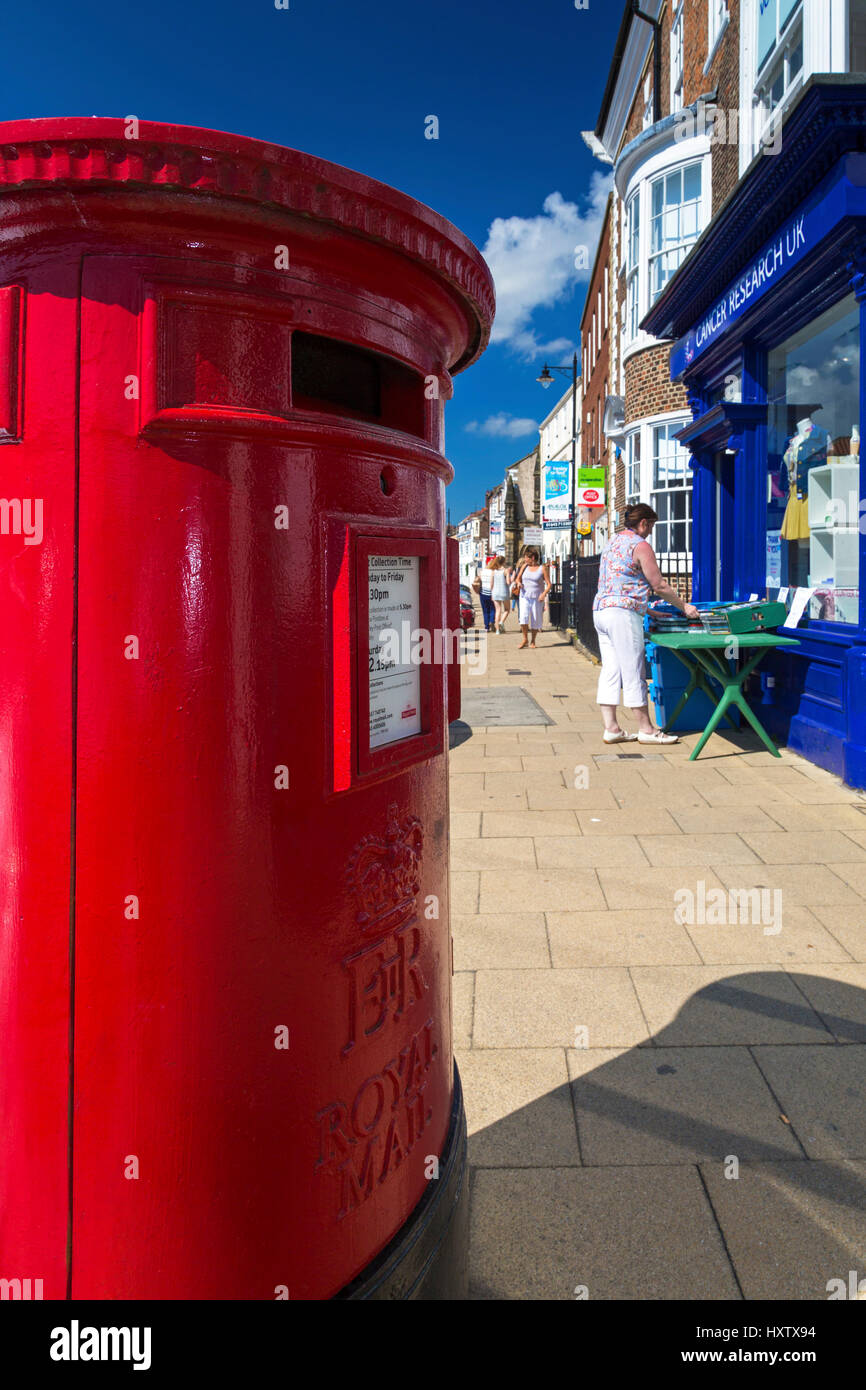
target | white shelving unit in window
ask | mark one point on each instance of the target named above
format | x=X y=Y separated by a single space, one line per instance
x=834 y=543
x=833 y=557
x=834 y=495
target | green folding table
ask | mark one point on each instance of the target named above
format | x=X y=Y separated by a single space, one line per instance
x=701 y=653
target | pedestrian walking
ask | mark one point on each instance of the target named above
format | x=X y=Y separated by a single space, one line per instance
x=628 y=575
x=533 y=581
x=488 y=611
x=501 y=594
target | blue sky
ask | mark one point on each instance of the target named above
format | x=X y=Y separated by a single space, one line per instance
x=512 y=82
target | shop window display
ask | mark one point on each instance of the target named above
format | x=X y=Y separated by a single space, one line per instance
x=813 y=485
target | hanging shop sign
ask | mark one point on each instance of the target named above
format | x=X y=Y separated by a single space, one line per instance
x=556 y=507
x=590 y=477
x=590 y=496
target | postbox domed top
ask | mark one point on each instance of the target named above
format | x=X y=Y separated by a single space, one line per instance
x=97 y=151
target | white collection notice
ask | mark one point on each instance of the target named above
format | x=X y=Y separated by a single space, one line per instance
x=395 y=686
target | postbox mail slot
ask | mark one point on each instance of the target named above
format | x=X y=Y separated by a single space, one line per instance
x=337 y=377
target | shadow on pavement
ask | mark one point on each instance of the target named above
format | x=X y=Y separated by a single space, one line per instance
x=723 y=1158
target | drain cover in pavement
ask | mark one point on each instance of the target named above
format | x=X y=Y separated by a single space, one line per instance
x=501 y=704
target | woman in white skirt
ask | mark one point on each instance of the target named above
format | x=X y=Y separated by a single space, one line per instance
x=534 y=581
x=628 y=574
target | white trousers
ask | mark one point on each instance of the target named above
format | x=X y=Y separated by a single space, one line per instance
x=623 y=657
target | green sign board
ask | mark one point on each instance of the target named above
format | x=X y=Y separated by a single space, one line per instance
x=590 y=477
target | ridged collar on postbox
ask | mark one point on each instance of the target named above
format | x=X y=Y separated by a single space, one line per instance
x=94 y=152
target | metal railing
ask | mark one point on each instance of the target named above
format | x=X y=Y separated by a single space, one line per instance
x=676 y=568
x=586 y=590
x=571 y=600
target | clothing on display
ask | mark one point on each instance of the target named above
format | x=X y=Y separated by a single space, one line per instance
x=806 y=450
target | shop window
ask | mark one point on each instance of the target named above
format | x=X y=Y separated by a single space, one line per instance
x=672 y=491
x=857 y=38
x=677 y=61
x=340 y=379
x=813 y=485
x=675 y=202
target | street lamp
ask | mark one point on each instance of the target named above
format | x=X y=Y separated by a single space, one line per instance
x=546 y=380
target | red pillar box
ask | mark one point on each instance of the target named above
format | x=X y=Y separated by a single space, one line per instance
x=225 y=973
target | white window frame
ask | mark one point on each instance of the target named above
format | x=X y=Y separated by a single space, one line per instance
x=632 y=470
x=718 y=19
x=656 y=491
x=779 y=65
x=677 y=58
x=825 y=49
x=647 y=101
x=667 y=161
x=633 y=275
x=679 y=249
x=646 y=489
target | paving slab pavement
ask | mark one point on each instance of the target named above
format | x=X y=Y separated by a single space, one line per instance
x=659 y=1004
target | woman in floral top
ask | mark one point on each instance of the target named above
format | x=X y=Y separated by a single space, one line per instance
x=628 y=575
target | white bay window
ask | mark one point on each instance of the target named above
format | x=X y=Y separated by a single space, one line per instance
x=665 y=483
x=675 y=200
x=666 y=213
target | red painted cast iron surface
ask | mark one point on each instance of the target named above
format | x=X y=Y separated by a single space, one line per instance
x=225 y=965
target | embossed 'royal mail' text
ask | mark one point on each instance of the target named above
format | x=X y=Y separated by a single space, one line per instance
x=362 y=1143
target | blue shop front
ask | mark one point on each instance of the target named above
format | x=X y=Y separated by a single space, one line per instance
x=768 y=314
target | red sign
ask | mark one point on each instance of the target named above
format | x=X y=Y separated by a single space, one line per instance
x=590 y=495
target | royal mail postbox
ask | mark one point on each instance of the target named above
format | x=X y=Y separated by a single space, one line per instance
x=225 y=976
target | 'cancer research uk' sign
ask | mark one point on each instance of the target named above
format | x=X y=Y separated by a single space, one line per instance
x=774 y=260
x=556 y=507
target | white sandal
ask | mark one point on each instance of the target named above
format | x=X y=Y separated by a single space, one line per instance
x=621 y=737
x=657 y=736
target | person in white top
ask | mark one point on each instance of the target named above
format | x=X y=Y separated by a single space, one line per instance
x=486 y=595
x=501 y=593
x=534 y=580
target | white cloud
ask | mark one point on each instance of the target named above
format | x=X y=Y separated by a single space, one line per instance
x=536 y=262
x=503 y=426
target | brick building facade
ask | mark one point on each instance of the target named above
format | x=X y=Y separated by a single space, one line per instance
x=595 y=335
x=670 y=176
